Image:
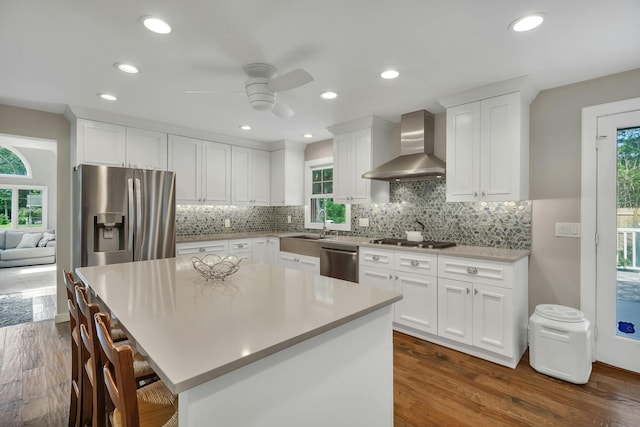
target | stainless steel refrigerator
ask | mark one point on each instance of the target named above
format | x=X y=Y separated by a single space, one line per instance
x=123 y=215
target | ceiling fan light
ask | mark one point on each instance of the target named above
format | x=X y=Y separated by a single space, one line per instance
x=328 y=95
x=108 y=97
x=527 y=23
x=156 y=25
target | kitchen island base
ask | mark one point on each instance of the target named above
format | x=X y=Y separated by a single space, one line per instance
x=342 y=377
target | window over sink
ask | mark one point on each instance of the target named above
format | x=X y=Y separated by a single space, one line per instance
x=319 y=196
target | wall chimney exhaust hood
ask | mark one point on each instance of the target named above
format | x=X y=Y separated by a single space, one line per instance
x=416 y=160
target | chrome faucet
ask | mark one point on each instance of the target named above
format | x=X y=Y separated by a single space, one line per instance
x=422 y=225
x=324 y=222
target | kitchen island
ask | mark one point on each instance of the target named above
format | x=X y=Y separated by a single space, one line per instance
x=267 y=347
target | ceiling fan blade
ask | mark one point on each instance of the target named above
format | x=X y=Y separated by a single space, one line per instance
x=290 y=80
x=213 y=91
x=282 y=110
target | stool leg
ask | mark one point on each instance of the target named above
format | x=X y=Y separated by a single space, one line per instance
x=74 y=406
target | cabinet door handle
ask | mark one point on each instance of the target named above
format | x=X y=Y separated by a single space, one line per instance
x=468 y=290
x=475 y=194
x=414 y=263
x=472 y=270
x=375 y=258
x=390 y=276
x=483 y=194
x=475 y=292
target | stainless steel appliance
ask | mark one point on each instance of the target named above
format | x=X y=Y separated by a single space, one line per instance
x=427 y=244
x=123 y=215
x=339 y=260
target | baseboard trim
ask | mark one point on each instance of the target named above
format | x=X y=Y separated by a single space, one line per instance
x=61 y=318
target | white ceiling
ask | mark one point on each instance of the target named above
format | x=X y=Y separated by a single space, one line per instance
x=58 y=53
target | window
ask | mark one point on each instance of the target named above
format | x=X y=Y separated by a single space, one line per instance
x=12 y=164
x=319 y=185
x=29 y=202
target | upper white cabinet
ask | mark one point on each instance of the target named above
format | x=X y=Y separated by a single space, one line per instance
x=251 y=177
x=488 y=142
x=146 y=149
x=287 y=177
x=114 y=145
x=203 y=171
x=358 y=147
x=100 y=143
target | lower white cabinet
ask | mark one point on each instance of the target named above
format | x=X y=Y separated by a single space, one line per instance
x=242 y=248
x=266 y=249
x=299 y=262
x=219 y=247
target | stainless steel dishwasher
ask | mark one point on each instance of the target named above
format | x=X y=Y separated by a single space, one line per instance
x=339 y=260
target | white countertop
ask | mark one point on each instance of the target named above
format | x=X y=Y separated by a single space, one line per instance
x=194 y=331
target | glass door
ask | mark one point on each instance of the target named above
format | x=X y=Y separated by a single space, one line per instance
x=618 y=251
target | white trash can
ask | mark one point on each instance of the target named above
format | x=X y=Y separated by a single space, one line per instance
x=560 y=343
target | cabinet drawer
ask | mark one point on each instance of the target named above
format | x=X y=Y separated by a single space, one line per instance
x=207 y=247
x=240 y=246
x=476 y=271
x=413 y=262
x=376 y=258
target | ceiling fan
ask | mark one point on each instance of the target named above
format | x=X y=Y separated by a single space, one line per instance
x=262 y=87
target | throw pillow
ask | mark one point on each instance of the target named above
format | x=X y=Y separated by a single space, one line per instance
x=29 y=240
x=46 y=238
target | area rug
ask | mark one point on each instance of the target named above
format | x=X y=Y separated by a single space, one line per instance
x=15 y=310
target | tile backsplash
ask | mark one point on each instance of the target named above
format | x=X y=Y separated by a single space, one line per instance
x=494 y=224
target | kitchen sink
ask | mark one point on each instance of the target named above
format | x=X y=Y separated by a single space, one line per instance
x=308 y=237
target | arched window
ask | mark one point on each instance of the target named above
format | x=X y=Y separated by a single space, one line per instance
x=13 y=163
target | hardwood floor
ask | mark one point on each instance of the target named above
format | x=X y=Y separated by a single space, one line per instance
x=433 y=386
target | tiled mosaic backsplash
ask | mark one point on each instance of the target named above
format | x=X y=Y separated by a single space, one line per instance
x=495 y=224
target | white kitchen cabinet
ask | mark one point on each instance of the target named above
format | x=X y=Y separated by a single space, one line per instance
x=242 y=248
x=413 y=274
x=266 y=249
x=484 y=304
x=251 y=170
x=218 y=247
x=108 y=144
x=203 y=171
x=287 y=177
x=146 y=149
x=299 y=262
x=488 y=143
x=358 y=147
x=100 y=143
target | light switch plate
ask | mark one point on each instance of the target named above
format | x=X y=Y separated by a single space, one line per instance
x=288 y=219
x=567 y=229
x=363 y=222
x=227 y=223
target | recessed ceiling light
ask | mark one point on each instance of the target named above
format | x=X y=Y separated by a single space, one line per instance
x=307 y=135
x=245 y=127
x=126 y=68
x=156 y=25
x=328 y=95
x=527 y=23
x=108 y=97
x=389 y=74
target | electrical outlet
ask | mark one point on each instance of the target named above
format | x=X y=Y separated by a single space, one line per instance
x=288 y=219
x=227 y=223
x=363 y=222
x=567 y=229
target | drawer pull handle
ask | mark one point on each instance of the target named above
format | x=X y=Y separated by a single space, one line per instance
x=375 y=258
x=472 y=270
x=414 y=263
x=201 y=249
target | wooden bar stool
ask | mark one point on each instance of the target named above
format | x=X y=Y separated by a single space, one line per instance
x=150 y=406
x=93 y=398
x=75 y=403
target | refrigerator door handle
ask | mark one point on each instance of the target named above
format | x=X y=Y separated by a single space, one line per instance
x=137 y=251
x=130 y=212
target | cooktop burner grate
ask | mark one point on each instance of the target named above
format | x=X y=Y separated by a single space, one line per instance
x=430 y=244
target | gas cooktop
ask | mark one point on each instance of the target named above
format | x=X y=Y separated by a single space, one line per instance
x=429 y=244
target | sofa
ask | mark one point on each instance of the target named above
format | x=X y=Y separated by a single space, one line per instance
x=22 y=248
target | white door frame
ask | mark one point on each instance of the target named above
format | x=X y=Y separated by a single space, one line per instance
x=588 y=267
